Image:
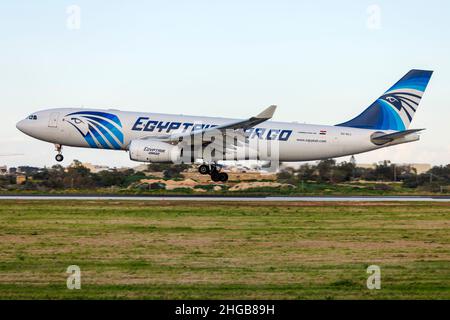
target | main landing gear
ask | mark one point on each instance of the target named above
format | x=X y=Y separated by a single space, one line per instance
x=59 y=157
x=214 y=172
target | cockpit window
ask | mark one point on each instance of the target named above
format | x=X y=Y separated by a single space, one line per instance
x=32 y=117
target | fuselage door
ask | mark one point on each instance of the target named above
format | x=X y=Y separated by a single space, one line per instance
x=53 y=120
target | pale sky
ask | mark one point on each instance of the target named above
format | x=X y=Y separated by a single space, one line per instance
x=321 y=62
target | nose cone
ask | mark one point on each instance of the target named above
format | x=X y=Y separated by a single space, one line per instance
x=21 y=125
x=25 y=126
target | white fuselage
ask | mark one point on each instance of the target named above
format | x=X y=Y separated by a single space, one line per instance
x=296 y=142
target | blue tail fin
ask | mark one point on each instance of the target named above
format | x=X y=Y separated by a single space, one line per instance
x=395 y=109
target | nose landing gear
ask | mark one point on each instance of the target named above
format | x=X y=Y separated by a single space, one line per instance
x=59 y=157
x=214 y=171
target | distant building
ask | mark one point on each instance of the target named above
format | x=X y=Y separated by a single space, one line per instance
x=12 y=171
x=366 y=165
x=20 y=179
x=122 y=169
x=292 y=165
x=27 y=170
x=141 y=167
x=3 y=170
x=419 y=167
x=94 y=168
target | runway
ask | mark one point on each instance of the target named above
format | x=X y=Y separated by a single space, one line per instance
x=236 y=199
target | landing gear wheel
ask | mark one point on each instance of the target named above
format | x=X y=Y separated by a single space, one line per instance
x=203 y=169
x=223 y=177
x=59 y=157
x=215 y=176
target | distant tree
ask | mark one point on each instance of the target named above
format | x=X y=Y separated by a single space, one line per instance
x=42 y=174
x=27 y=170
x=5 y=181
x=366 y=174
x=384 y=171
x=50 y=178
x=78 y=176
x=59 y=168
x=326 y=170
x=29 y=185
x=440 y=172
x=158 y=167
x=432 y=180
x=174 y=171
x=306 y=172
x=287 y=175
x=344 y=171
x=108 y=178
x=137 y=176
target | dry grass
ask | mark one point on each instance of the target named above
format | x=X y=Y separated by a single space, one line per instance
x=204 y=250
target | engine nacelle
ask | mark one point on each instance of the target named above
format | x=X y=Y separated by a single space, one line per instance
x=154 y=151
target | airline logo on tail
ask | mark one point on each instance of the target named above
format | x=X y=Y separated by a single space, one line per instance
x=99 y=129
x=405 y=102
x=395 y=109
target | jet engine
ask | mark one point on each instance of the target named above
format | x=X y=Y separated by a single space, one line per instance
x=154 y=151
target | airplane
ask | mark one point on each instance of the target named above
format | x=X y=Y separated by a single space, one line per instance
x=157 y=137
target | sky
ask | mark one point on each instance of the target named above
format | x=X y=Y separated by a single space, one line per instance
x=321 y=62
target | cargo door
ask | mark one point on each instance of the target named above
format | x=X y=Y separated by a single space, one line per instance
x=53 y=120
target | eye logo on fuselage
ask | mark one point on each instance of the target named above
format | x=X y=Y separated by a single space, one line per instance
x=99 y=129
x=148 y=125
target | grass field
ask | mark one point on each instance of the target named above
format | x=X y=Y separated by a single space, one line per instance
x=204 y=250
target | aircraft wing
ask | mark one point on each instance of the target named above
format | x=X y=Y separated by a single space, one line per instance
x=238 y=128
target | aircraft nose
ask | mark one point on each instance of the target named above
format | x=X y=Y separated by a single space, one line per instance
x=25 y=126
x=21 y=125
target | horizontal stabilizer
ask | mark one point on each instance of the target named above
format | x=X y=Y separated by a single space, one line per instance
x=380 y=138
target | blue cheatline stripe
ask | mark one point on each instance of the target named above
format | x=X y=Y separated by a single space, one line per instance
x=390 y=120
x=109 y=126
x=419 y=83
x=397 y=121
x=416 y=86
x=110 y=116
x=380 y=120
x=90 y=141
x=391 y=117
x=386 y=123
x=99 y=138
x=82 y=134
x=383 y=118
x=107 y=136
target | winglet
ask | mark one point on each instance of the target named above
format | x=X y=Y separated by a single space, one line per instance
x=267 y=113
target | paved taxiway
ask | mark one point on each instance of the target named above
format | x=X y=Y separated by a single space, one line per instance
x=238 y=199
